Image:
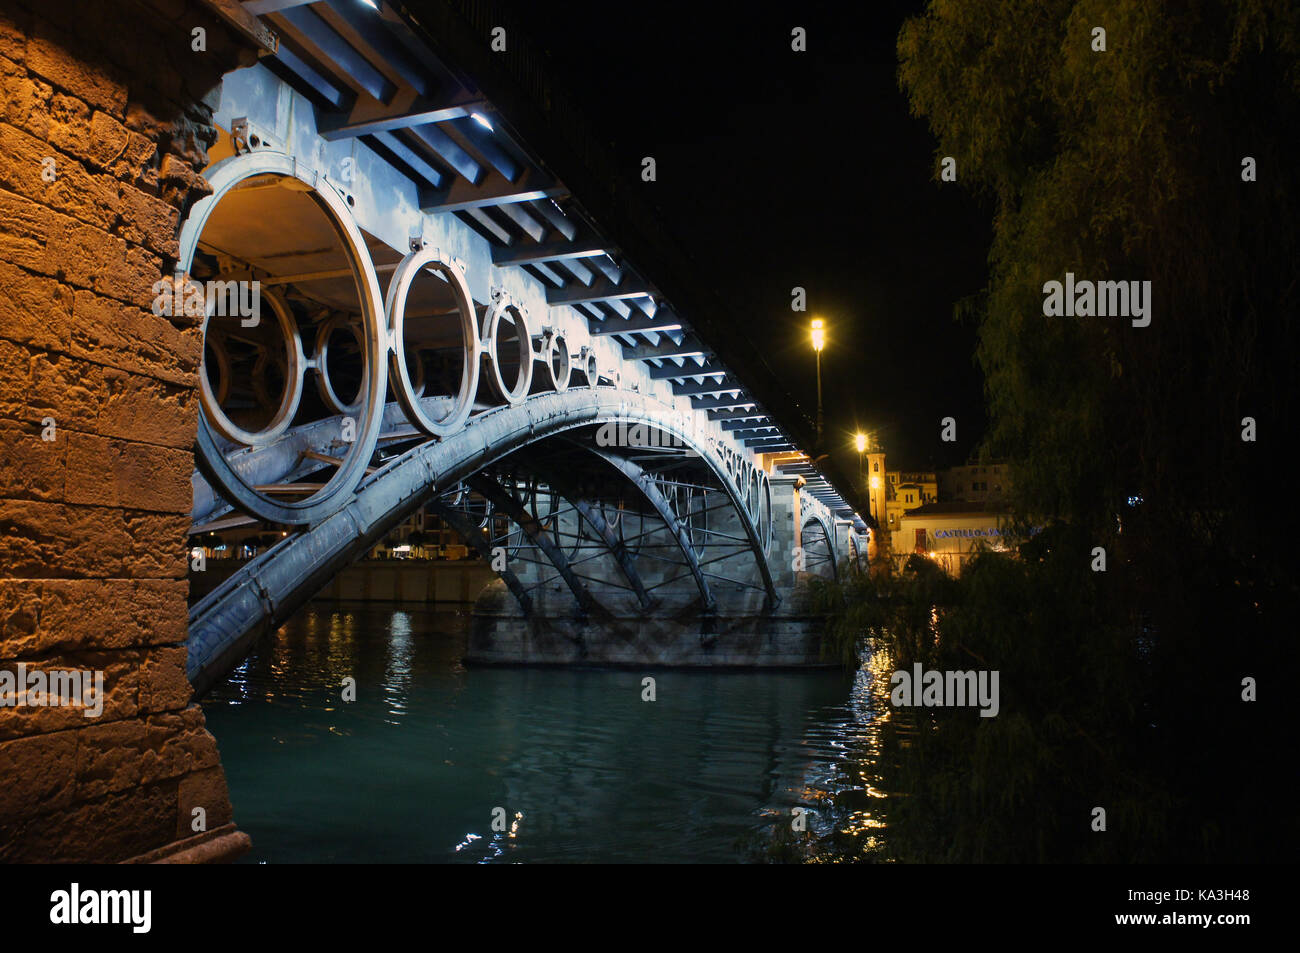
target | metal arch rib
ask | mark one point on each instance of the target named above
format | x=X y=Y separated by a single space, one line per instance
x=224 y=622
x=646 y=484
x=624 y=560
x=474 y=536
x=507 y=503
x=830 y=542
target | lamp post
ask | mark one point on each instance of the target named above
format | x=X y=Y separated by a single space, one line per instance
x=819 y=342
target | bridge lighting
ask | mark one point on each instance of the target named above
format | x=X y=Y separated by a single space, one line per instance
x=819 y=342
x=481 y=120
x=860 y=441
x=818 y=334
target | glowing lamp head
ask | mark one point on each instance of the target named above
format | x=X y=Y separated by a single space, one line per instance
x=818 y=334
x=860 y=441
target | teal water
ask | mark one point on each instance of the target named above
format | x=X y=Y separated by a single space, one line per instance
x=583 y=768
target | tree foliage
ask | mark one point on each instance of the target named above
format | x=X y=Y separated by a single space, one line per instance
x=1121 y=689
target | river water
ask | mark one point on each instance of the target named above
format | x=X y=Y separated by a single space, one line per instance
x=580 y=767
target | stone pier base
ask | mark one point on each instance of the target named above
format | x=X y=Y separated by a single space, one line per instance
x=671 y=633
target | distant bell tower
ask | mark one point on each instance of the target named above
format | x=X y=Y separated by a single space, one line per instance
x=876 y=483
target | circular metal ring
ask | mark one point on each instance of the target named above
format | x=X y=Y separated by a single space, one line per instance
x=218 y=346
x=223 y=177
x=557 y=347
x=505 y=308
x=265 y=361
x=417 y=388
x=283 y=417
x=592 y=370
x=471 y=348
x=765 y=511
x=324 y=383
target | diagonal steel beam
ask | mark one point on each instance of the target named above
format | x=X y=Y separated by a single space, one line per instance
x=475 y=537
x=492 y=189
x=548 y=251
x=672 y=371
x=646 y=484
x=625 y=561
x=699 y=388
x=662 y=321
x=506 y=502
x=691 y=346
x=602 y=289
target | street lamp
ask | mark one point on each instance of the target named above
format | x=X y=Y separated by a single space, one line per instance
x=819 y=342
x=860 y=441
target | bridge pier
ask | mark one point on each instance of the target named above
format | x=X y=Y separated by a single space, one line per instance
x=740 y=629
x=105 y=117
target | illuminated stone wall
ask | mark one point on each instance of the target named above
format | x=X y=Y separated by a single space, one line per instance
x=105 y=119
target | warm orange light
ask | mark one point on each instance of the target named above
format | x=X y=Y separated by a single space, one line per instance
x=875 y=483
x=860 y=441
x=818 y=334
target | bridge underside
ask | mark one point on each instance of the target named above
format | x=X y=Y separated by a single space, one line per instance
x=381 y=359
x=619 y=538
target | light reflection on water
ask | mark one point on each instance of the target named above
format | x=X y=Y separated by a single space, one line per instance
x=581 y=767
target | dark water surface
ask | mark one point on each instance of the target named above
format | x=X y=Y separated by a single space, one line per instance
x=584 y=768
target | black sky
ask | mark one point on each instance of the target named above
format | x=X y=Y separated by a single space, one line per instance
x=798 y=169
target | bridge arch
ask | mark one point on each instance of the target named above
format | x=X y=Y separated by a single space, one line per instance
x=818 y=543
x=269 y=589
x=224 y=177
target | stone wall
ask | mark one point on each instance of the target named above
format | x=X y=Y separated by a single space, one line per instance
x=105 y=120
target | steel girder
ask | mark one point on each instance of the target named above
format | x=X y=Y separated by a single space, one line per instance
x=622 y=558
x=503 y=500
x=645 y=483
x=475 y=536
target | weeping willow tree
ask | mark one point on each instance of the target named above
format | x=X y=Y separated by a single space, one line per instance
x=1117 y=140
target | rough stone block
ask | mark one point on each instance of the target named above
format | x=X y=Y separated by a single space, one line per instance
x=39 y=617
x=207 y=790
x=108 y=830
x=121 y=690
x=29 y=466
x=108 y=472
x=46 y=765
x=163 y=685
x=68 y=63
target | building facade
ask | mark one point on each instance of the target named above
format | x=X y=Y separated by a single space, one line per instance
x=988 y=482
x=950 y=533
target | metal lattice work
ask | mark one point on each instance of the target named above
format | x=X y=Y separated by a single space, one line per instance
x=818 y=547
x=420 y=394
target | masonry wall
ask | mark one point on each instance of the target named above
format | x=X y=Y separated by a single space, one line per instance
x=93 y=521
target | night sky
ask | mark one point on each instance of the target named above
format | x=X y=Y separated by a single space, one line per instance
x=799 y=169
